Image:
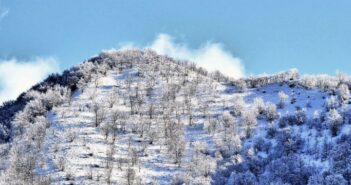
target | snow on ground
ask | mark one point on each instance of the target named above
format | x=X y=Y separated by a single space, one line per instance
x=89 y=147
x=74 y=141
x=83 y=146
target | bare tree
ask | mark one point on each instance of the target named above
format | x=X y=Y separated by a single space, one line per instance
x=120 y=162
x=99 y=113
x=133 y=153
x=150 y=83
x=111 y=99
x=211 y=125
x=108 y=174
x=151 y=110
x=250 y=121
x=106 y=128
x=130 y=176
x=179 y=147
x=61 y=163
x=89 y=173
x=227 y=121
x=96 y=81
x=189 y=108
x=109 y=162
x=132 y=99
x=152 y=135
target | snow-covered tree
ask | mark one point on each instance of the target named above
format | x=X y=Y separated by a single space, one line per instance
x=24 y=160
x=334 y=120
x=344 y=92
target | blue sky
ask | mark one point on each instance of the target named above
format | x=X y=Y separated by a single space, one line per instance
x=267 y=36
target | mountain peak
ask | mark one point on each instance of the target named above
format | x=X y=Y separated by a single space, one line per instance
x=136 y=117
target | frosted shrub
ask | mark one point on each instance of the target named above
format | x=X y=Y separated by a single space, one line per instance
x=61 y=163
x=239 y=105
x=241 y=85
x=332 y=103
x=202 y=166
x=300 y=116
x=36 y=132
x=271 y=112
x=282 y=99
x=36 y=107
x=258 y=104
x=261 y=145
x=69 y=176
x=210 y=126
x=200 y=147
x=232 y=145
x=316 y=120
x=71 y=135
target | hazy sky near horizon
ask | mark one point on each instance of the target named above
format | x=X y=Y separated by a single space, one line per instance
x=257 y=36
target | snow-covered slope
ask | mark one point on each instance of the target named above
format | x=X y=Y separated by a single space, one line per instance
x=140 y=118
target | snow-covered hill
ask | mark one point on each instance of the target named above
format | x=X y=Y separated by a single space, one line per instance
x=135 y=117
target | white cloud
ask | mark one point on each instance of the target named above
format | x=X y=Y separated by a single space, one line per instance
x=18 y=76
x=211 y=56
